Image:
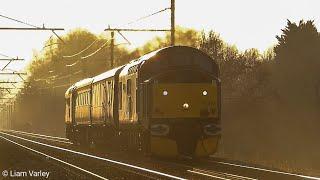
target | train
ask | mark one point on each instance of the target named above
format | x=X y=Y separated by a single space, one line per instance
x=166 y=103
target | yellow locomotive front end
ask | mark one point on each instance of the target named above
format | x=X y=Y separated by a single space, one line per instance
x=185 y=119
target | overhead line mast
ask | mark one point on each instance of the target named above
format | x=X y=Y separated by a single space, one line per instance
x=172 y=30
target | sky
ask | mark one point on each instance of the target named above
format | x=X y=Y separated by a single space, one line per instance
x=245 y=23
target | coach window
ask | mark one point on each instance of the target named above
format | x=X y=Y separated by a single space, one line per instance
x=109 y=93
x=120 y=95
x=86 y=98
x=129 y=87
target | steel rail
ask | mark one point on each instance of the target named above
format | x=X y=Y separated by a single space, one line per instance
x=99 y=158
x=53 y=137
x=56 y=159
x=219 y=175
x=44 y=138
x=265 y=170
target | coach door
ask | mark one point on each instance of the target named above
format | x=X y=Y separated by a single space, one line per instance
x=105 y=108
x=109 y=100
x=129 y=98
x=73 y=107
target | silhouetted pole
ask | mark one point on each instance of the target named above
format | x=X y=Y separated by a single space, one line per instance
x=172 y=22
x=172 y=30
x=112 y=49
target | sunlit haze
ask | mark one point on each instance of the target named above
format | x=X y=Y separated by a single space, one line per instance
x=234 y=94
x=246 y=24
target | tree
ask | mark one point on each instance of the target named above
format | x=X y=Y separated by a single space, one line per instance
x=297 y=56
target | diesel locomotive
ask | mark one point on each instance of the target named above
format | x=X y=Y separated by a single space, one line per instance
x=166 y=103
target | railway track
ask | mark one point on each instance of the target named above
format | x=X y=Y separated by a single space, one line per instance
x=63 y=163
x=259 y=170
x=157 y=169
x=97 y=167
x=40 y=136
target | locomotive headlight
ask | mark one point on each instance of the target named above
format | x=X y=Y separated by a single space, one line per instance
x=185 y=106
x=159 y=129
x=211 y=129
x=165 y=93
x=204 y=93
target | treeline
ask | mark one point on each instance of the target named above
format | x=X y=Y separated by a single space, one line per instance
x=271 y=100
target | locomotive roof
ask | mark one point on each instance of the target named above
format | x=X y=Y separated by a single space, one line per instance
x=140 y=60
x=152 y=54
x=106 y=74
